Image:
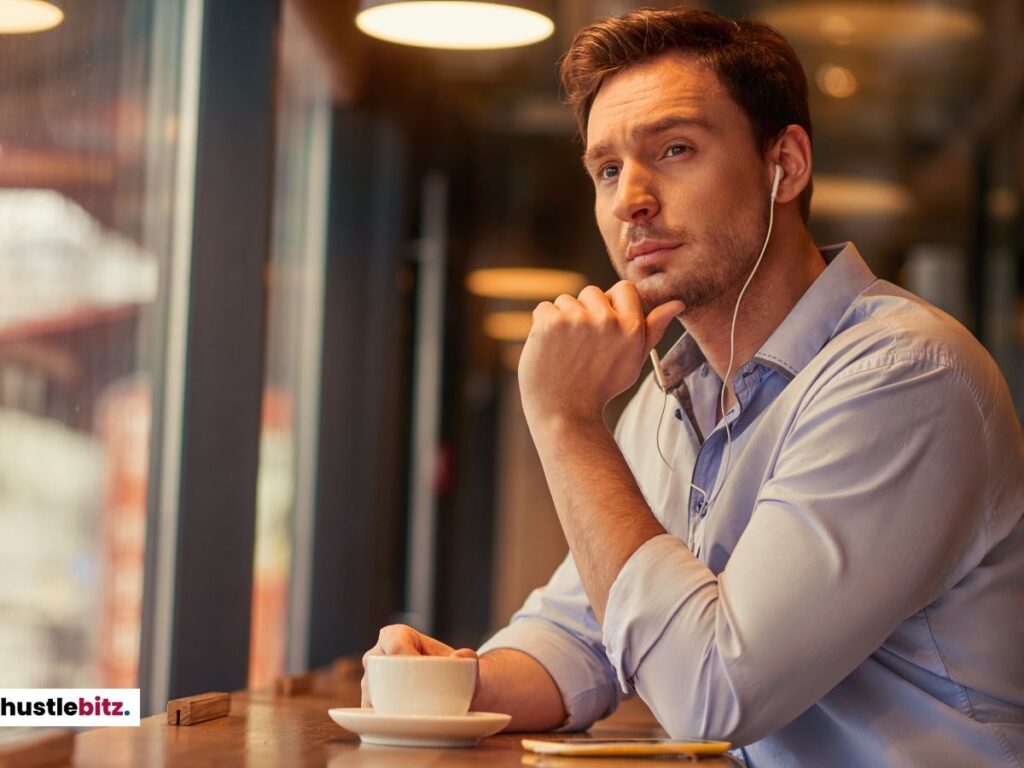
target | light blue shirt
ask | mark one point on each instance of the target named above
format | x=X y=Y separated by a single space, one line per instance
x=854 y=594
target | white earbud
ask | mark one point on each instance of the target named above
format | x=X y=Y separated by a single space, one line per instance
x=659 y=373
x=778 y=178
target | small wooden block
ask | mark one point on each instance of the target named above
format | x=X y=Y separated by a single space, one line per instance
x=293 y=685
x=38 y=749
x=198 y=709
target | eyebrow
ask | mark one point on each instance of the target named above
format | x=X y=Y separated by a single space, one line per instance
x=647 y=130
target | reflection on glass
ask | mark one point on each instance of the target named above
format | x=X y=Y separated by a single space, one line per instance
x=83 y=243
x=288 y=439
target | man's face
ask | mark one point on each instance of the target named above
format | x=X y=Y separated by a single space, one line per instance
x=681 y=192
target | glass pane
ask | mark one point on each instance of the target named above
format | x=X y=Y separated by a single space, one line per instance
x=88 y=141
x=288 y=442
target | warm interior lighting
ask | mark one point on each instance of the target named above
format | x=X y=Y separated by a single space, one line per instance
x=508 y=326
x=892 y=25
x=19 y=17
x=835 y=81
x=837 y=29
x=454 y=24
x=852 y=196
x=522 y=283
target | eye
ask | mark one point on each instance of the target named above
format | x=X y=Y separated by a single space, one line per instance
x=676 y=149
x=606 y=172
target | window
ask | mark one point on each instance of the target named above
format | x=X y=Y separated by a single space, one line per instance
x=89 y=143
x=288 y=441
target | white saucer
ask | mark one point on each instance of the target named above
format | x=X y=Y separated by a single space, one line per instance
x=419 y=730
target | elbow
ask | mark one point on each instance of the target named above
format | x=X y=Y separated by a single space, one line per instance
x=714 y=710
x=739 y=732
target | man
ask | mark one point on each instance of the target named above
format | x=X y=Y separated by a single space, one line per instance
x=821 y=561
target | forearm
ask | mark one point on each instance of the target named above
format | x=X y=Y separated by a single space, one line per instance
x=515 y=683
x=602 y=511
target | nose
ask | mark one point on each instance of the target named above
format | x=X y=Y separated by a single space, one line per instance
x=635 y=197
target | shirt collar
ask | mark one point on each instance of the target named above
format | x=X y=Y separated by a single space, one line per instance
x=807 y=327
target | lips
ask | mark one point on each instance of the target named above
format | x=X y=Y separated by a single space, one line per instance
x=648 y=246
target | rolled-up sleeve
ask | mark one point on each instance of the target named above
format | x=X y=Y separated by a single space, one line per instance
x=659 y=578
x=557 y=627
x=857 y=527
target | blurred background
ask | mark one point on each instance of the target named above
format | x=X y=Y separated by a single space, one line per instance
x=264 y=280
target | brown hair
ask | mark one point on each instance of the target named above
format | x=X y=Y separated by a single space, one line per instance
x=755 y=64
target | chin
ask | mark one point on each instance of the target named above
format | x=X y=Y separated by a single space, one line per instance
x=655 y=290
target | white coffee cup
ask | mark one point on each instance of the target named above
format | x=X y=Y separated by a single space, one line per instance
x=421 y=685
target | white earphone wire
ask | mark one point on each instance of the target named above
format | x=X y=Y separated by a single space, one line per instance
x=661 y=417
x=720 y=481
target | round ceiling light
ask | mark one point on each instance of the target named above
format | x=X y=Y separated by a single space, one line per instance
x=896 y=25
x=835 y=81
x=453 y=24
x=19 y=17
x=524 y=283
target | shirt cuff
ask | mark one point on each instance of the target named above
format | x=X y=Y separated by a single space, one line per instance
x=585 y=682
x=657 y=579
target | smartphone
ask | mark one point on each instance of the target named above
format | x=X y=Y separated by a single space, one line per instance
x=625 y=747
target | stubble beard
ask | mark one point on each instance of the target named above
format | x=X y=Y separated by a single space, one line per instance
x=702 y=279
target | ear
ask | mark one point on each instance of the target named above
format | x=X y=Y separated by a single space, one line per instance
x=793 y=152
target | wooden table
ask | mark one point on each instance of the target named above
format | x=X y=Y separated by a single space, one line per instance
x=264 y=729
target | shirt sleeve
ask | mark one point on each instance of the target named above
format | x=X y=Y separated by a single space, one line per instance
x=557 y=627
x=874 y=506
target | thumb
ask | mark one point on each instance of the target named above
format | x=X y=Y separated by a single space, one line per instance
x=657 y=322
x=464 y=653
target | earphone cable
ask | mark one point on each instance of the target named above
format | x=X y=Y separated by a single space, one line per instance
x=657 y=442
x=717 y=487
x=723 y=472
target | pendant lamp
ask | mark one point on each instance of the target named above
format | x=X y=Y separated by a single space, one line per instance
x=456 y=24
x=19 y=17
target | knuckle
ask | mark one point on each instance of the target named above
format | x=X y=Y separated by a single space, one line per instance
x=392 y=631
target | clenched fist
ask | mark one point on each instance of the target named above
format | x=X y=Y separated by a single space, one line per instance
x=582 y=352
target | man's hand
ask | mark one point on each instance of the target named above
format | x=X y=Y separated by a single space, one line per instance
x=584 y=351
x=402 y=640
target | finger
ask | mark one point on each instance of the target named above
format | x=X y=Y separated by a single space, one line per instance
x=403 y=640
x=543 y=309
x=568 y=304
x=657 y=322
x=398 y=640
x=595 y=300
x=431 y=647
x=364 y=699
x=375 y=651
x=625 y=299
